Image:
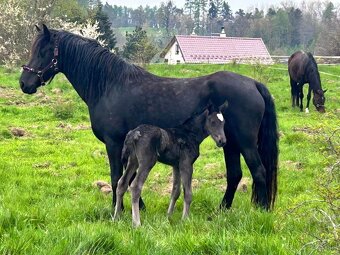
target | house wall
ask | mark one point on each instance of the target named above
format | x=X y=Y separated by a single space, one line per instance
x=173 y=57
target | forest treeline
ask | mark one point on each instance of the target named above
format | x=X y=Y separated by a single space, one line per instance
x=140 y=33
x=311 y=26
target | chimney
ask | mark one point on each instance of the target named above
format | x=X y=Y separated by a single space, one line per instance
x=223 y=34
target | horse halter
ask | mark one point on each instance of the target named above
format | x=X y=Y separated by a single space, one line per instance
x=52 y=65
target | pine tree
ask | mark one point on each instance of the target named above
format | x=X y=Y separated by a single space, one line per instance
x=226 y=12
x=212 y=12
x=138 y=48
x=104 y=27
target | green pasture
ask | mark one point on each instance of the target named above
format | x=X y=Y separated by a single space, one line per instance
x=49 y=159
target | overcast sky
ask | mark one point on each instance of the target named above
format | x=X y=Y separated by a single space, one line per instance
x=234 y=4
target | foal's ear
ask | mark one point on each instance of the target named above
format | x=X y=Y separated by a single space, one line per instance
x=37 y=28
x=224 y=106
x=46 y=32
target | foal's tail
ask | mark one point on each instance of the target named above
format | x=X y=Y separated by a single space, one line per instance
x=128 y=144
x=268 y=145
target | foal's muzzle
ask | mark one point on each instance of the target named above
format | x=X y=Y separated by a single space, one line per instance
x=220 y=141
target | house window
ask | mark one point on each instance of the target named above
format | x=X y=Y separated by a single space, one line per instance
x=177 y=49
x=166 y=60
x=178 y=61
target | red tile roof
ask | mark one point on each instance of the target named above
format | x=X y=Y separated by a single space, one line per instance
x=213 y=49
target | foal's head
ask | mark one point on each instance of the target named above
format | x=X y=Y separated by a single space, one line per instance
x=212 y=123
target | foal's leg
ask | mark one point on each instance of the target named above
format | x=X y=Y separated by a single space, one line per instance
x=186 y=169
x=234 y=172
x=176 y=189
x=145 y=165
x=123 y=184
x=114 y=151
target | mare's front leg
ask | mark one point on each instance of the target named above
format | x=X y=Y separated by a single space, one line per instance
x=234 y=172
x=301 y=97
x=176 y=189
x=308 y=98
x=114 y=151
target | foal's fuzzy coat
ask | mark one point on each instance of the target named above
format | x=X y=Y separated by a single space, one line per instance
x=178 y=147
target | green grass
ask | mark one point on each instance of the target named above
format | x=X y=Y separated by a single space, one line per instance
x=49 y=206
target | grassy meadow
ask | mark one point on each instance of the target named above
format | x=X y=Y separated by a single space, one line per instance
x=49 y=159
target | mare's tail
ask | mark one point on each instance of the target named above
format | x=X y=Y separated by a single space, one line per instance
x=268 y=145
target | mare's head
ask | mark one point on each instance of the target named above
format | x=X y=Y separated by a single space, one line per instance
x=42 y=65
x=214 y=124
x=313 y=76
x=319 y=100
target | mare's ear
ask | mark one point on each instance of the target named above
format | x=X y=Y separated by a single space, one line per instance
x=224 y=106
x=37 y=28
x=325 y=91
x=46 y=32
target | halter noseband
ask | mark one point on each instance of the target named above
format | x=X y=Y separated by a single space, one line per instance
x=52 y=65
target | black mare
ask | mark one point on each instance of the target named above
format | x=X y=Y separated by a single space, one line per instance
x=121 y=96
x=303 y=69
x=177 y=147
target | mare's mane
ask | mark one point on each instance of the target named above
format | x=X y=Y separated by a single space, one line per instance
x=312 y=59
x=90 y=64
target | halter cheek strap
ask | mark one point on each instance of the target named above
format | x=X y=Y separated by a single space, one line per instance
x=52 y=65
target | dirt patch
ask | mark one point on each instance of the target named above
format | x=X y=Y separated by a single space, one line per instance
x=293 y=165
x=42 y=165
x=18 y=132
x=103 y=186
x=68 y=126
x=244 y=184
x=307 y=130
x=210 y=166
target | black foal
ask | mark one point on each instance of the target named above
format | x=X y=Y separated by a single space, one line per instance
x=177 y=147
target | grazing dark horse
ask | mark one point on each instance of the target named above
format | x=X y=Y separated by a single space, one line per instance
x=303 y=69
x=177 y=147
x=121 y=96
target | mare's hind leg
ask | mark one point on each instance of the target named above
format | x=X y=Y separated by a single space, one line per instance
x=114 y=151
x=176 y=189
x=123 y=184
x=234 y=172
x=145 y=165
x=258 y=173
x=293 y=91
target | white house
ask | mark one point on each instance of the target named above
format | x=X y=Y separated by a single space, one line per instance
x=215 y=49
